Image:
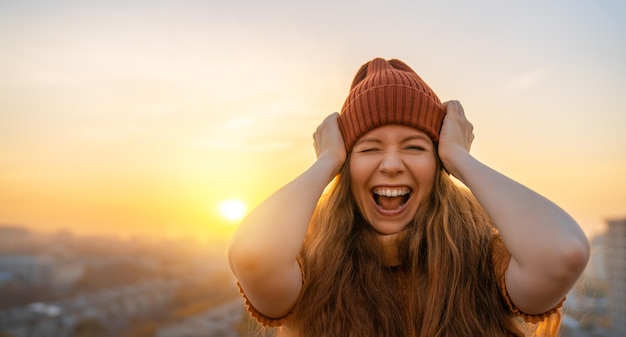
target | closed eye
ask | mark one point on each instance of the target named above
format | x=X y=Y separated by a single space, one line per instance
x=371 y=149
x=415 y=148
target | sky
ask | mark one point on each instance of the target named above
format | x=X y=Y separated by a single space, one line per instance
x=140 y=118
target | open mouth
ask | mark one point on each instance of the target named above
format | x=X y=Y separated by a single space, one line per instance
x=391 y=198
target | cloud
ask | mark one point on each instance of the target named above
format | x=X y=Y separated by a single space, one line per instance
x=243 y=145
x=238 y=123
x=528 y=79
x=111 y=133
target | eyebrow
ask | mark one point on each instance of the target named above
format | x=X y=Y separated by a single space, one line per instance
x=416 y=136
x=404 y=140
x=368 y=140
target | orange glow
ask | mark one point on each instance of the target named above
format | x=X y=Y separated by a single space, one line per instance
x=144 y=127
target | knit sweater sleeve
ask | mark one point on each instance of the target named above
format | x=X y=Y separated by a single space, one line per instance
x=263 y=320
x=501 y=258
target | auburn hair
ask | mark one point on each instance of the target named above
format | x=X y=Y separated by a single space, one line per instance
x=446 y=275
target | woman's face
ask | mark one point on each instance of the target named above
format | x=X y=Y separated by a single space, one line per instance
x=392 y=171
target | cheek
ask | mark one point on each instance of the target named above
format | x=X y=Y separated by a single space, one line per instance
x=425 y=172
x=358 y=173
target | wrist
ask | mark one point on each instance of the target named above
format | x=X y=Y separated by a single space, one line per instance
x=331 y=163
x=454 y=159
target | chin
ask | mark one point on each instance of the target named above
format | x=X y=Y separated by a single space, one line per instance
x=388 y=228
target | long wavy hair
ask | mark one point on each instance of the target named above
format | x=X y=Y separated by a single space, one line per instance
x=446 y=277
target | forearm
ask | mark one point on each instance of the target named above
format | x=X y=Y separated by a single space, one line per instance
x=271 y=236
x=541 y=237
x=264 y=249
x=548 y=249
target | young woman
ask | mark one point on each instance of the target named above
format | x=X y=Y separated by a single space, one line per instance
x=393 y=247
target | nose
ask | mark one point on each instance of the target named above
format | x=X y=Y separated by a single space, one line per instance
x=391 y=164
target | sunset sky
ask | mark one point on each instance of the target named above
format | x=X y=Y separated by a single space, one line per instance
x=142 y=117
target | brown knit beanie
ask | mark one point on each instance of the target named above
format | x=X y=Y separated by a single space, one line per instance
x=389 y=92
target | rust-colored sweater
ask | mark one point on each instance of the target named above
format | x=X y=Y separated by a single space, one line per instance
x=500 y=259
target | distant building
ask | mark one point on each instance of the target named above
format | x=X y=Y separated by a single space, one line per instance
x=112 y=308
x=616 y=274
x=11 y=236
x=219 y=321
x=28 y=269
x=596 y=268
x=34 y=270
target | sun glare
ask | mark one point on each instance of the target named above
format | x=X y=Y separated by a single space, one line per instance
x=232 y=210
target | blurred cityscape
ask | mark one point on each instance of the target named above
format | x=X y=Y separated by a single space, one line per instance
x=63 y=285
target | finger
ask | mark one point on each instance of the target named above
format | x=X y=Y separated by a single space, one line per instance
x=452 y=106
x=333 y=115
x=460 y=109
x=456 y=107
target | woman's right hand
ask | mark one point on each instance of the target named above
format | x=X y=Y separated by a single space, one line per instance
x=264 y=250
x=328 y=142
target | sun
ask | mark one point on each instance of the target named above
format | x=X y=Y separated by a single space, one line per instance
x=232 y=210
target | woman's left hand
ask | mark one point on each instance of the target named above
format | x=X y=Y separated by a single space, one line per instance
x=537 y=279
x=456 y=135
